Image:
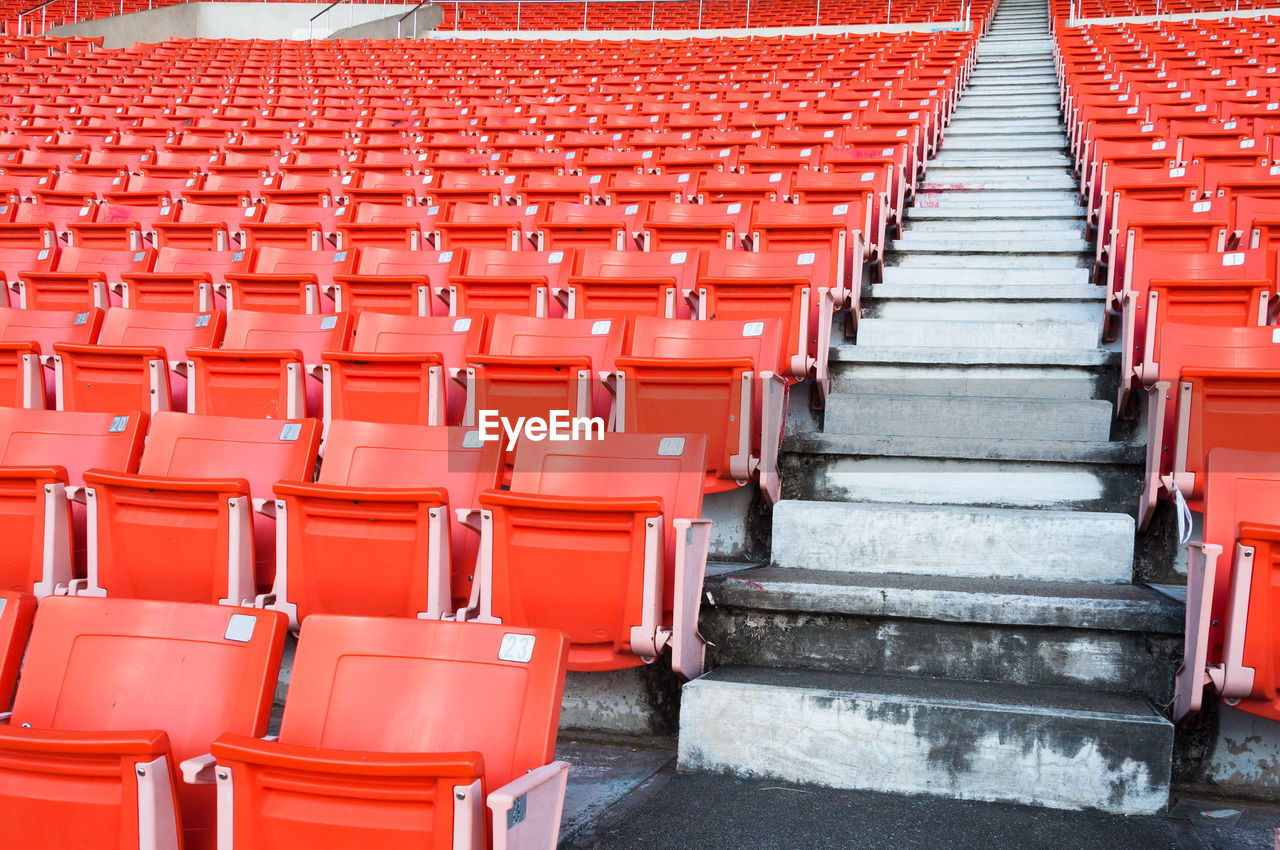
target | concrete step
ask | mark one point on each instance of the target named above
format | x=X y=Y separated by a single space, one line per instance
x=985 y=127
x=1052 y=141
x=989 y=198
x=978 y=276
x=983 y=293
x=978 y=101
x=968 y=260
x=924 y=307
x=1012 y=76
x=958 y=542
x=1100 y=636
x=991 y=90
x=1057 y=747
x=1041 y=474
x=1062 y=227
x=972 y=178
x=972 y=159
x=961 y=380
x=941 y=243
x=969 y=417
x=984 y=216
x=1007 y=111
x=977 y=334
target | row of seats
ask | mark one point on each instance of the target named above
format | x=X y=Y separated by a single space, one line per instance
x=631 y=376
x=846 y=215
x=1062 y=9
x=603 y=15
x=401 y=520
x=1171 y=124
x=418 y=733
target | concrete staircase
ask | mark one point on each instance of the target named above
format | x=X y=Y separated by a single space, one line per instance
x=949 y=607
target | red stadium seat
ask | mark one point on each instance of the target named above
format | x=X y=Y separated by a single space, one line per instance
x=81 y=278
x=600 y=539
x=396 y=280
x=287 y=280
x=525 y=283
x=534 y=366
x=402 y=369
x=718 y=378
x=43 y=457
x=489 y=700
x=138 y=361
x=387 y=495
x=27 y=339
x=106 y=742
x=626 y=284
x=675 y=227
x=201 y=500
x=269 y=365
x=1231 y=636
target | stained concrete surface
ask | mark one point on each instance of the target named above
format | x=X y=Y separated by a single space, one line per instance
x=669 y=810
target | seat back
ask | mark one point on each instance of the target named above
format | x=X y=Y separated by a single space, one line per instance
x=309 y=335
x=396 y=280
x=259 y=451
x=70 y=440
x=130 y=666
x=46 y=327
x=1222 y=408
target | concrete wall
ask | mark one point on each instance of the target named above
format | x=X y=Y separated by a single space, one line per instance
x=419 y=24
x=229 y=20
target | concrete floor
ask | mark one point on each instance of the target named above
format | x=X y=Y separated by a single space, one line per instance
x=622 y=798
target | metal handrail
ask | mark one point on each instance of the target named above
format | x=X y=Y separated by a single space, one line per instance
x=317 y=14
x=421 y=3
x=33 y=8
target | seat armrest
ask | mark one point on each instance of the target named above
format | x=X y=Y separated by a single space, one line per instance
x=526 y=811
x=241 y=748
x=198 y=770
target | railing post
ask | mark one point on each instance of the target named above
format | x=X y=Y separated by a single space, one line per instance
x=747 y=25
x=518 y=5
x=584 y=15
x=75 y=12
x=699 y=14
x=817 y=15
x=653 y=13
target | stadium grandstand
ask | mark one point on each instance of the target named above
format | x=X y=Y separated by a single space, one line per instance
x=639 y=423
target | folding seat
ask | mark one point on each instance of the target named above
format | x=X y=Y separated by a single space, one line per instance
x=1180 y=183
x=269 y=365
x=625 y=284
x=25 y=180
x=501 y=227
x=671 y=226
x=91 y=760
x=726 y=187
x=488 y=699
x=183 y=280
x=836 y=229
x=532 y=367
x=402 y=369
x=547 y=188
x=454 y=187
x=122 y=225
x=81 y=278
x=71 y=188
x=1236 y=152
x=600 y=539
x=1203 y=363
x=231 y=185
x=1195 y=226
x=16 y=612
x=195 y=522
x=571 y=225
x=622 y=189
x=1230 y=633
x=526 y=283
x=394 y=494
x=137 y=363
x=287 y=280
x=761 y=160
x=1166 y=286
x=212 y=227
x=388 y=226
x=860 y=191
x=288 y=225
x=56 y=216
x=721 y=378
x=1257 y=223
